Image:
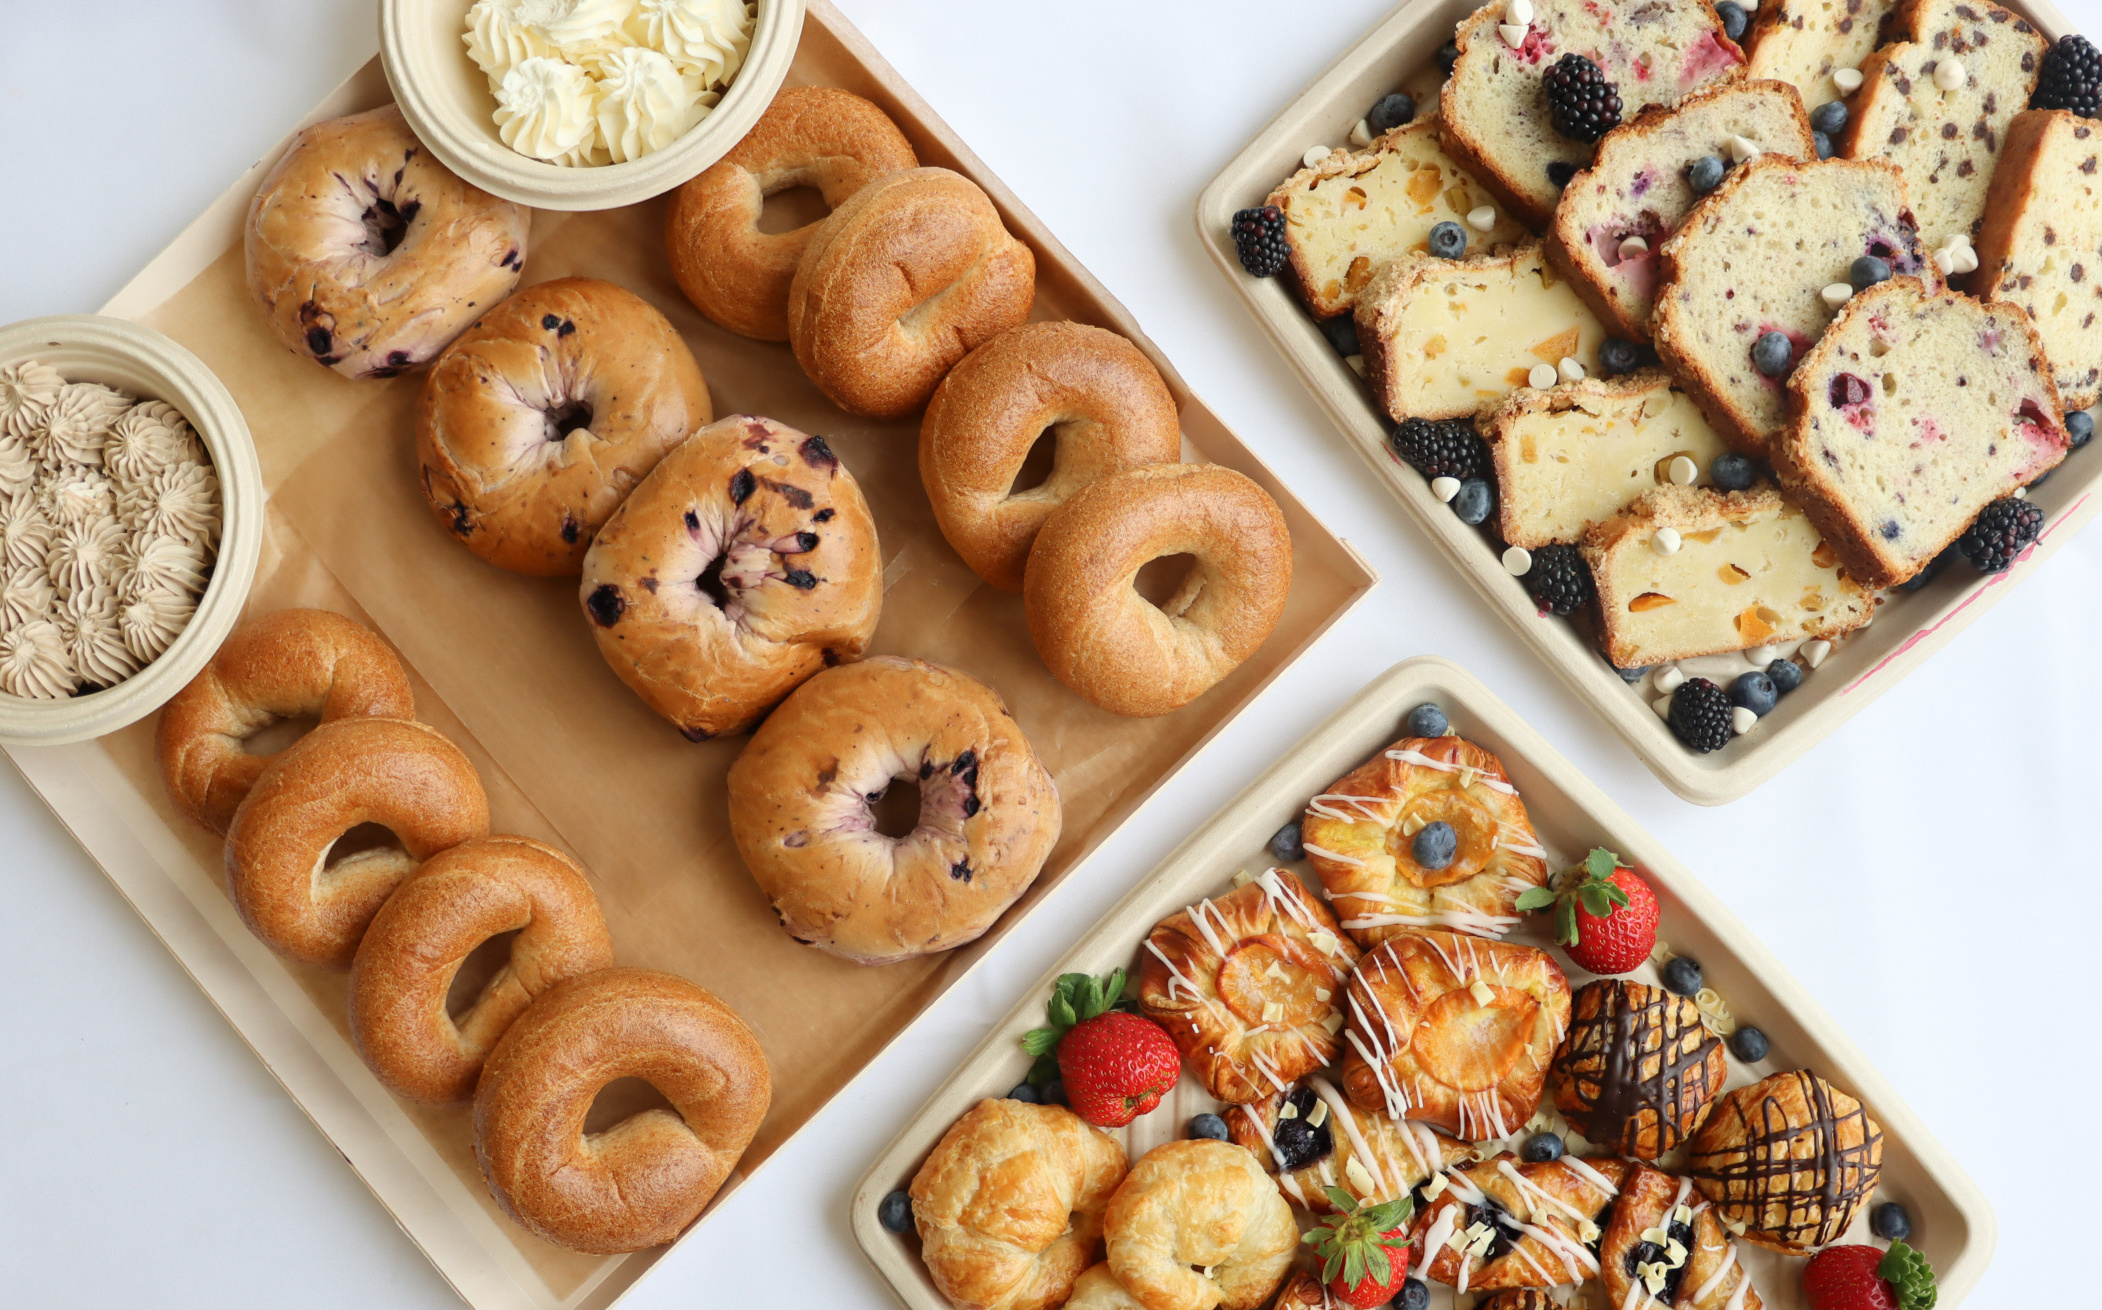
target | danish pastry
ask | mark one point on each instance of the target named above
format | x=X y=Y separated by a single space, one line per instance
x=1360 y=834
x=1790 y=1157
x=1664 y=1247
x=1454 y=1030
x=1010 y=1205
x=1197 y=1224
x=1518 y=1298
x=1313 y=1139
x=1500 y=1224
x=1638 y=1069
x=1248 y=986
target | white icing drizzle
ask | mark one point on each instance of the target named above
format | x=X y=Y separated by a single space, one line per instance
x=1590 y=1175
x=1440 y=1233
x=1340 y=858
x=1471 y=775
x=27 y=390
x=33 y=661
x=1321 y=807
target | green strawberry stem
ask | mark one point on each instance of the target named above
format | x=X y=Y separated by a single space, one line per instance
x=1353 y=1242
x=1909 y=1276
x=1075 y=999
x=1594 y=890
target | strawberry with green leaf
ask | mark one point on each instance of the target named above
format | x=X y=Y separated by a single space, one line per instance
x=1864 y=1278
x=1364 y=1249
x=1116 y=1064
x=1605 y=916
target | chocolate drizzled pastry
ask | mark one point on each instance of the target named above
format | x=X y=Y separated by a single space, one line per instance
x=1790 y=1157
x=1638 y=1069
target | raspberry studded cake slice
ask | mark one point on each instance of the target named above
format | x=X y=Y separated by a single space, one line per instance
x=1615 y=215
x=2041 y=244
x=1750 y=264
x=1938 y=106
x=1918 y=409
x=1500 y=121
x=1804 y=42
x=1352 y=214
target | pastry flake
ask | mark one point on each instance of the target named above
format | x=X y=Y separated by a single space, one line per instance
x=1790 y=1157
x=1638 y=1069
x=1501 y=1224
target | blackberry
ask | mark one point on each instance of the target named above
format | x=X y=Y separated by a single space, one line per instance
x=1259 y=236
x=2071 y=78
x=2000 y=532
x=1582 y=103
x=1559 y=579
x=1441 y=448
x=1559 y=171
x=1700 y=715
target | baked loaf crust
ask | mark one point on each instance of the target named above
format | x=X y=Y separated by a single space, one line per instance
x=1803 y=41
x=820 y=137
x=367 y=255
x=1248 y=985
x=2043 y=220
x=1197 y=1224
x=1636 y=187
x=1790 y=1157
x=744 y=563
x=1493 y=109
x=1948 y=407
x=1102 y=400
x=1455 y=1031
x=407 y=961
x=288 y=664
x=1352 y=214
x=1947 y=142
x=1359 y=833
x=1638 y=1068
x=1695 y=1266
x=639 y=1183
x=1730 y=276
x=801 y=792
x=1009 y=1206
x=908 y=276
x=402 y=775
x=1502 y=1224
x=1313 y=1138
x=536 y=423
x=1113 y=647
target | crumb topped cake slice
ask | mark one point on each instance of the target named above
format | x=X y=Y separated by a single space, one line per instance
x=1804 y=42
x=2041 y=244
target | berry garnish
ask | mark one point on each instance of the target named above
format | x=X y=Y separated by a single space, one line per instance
x=1734 y=19
x=1540 y=1148
x=1210 y=1126
x=1636 y=674
x=1559 y=580
x=1847 y=389
x=1748 y=1044
x=1772 y=354
x=1427 y=720
x=1475 y=501
x=1441 y=448
x=1448 y=240
x=1026 y=1094
x=1866 y=271
x=1605 y=916
x=1363 y=1249
x=895 y=1212
x=1890 y=1222
x=1583 y=105
x=1705 y=174
x=1434 y=846
x=1786 y=675
x=1829 y=116
x=2071 y=78
x=1756 y=692
x=1700 y=715
x=1342 y=334
x=1288 y=844
x=2001 y=531
x=1682 y=977
x=1822 y=143
x=1259 y=236
x=2080 y=427
x=1559 y=171
x=1415 y=1295
x=1733 y=472
x=1448 y=55
x=1617 y=356
x=1115 y=1065
x=1864 y=1278
x=1391 y=111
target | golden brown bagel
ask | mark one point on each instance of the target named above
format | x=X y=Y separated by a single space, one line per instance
x=1103 y=401
x=747 y=562
x=535 y=425
x=640 y=1182
x=1111 y=645
x=404 y=776
x=904 y=279
x=368 y=255
x=811 y=136
x=286 y=665
x=459 y=899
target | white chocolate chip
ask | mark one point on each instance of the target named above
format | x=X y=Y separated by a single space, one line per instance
x=1836 y=294
x=1324 y=942
x=1288 y=1111
x=1322 y=994
x=1669 y=678
x=1359 y=1176
x=1433 y=1187
x=1848 y=80
x=1482 y=218
x=1242 y=878
x=1274 y=1012
x=1318 y=1115
x=1666 y=542
x=1814 y=652
x=2020 y=493
x=1948 y=75
x=1361 y=134
x=1357 y=364
x=1518 y=561
x=1743 y=149
x=1966 y=259
x=1742 y=719
x=1569 y=370
x=1761 y=656
x=1682 y=471
x=1633 y=246
x=1541 y=377
x=1655 y=1236
x=1519 y=12
x=1445 y=488
x=1945 y=260
x=1662 y=705
x=1481 y=992
x=1684 y=1214
x=1333 y=1022
x=1512 y=33
x=1588 y=1231
x=1313 y=156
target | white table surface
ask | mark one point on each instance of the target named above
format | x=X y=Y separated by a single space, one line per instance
x=1929 y=872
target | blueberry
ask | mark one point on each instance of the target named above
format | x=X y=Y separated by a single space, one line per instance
x=1427 y=720
x=1867 y=271
x=1474 y=502
x=1771 y=354
x=1616 y=356
x=1830 y=116
x=1448 y=55
x=1026 y=1094
x=1636 y=674
x=1435 y=845
x=1822 y=143
x=1704 y=174
x=1053 y=1092
x=1560 y=171
x=1287 y=845
x=1748 y=1044
x=1208 y=1125
x=1731 y=471
x=1755 y=692
x=2040 y=479
x=1342 y=334
x=1786 y=675
x=1448 y=240
x=895 y=1212
x=1682 y=976
x=1415 y=1295
x=1734 y=19
x=1890 y=1222
x=2080 y=426
x=1391 y=112
x=1540 y=1148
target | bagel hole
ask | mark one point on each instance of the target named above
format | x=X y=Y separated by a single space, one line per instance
x=897 y=809
x=621 y=1100
x=384 y=228
x=567 y=418
x=364 y=839
x=792 y=207
x=1159 y=580
x=711 y=583
x=278 y=734
x=1038 y=464
x=482 y=963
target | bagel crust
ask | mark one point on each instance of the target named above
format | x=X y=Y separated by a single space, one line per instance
x=1108 y=643
x=1106 y=405
x=745 y=563
x=811 y=136
x=367 y=255
x=535 y=425
x=639 y=1183
x=801 y=792
x=907 y=277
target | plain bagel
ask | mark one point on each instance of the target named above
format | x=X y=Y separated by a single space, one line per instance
x=1119 y=651
x=907 y=277
x=811 y=136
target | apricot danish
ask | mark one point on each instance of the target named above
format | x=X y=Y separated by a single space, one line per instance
x=1665 y=1247
x=1313 y=1139
x=1198 y=1224
x=1501 y=1224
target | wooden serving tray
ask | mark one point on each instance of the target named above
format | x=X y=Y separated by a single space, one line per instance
x=1952 y=1221
x=505 y=665
x=1908 y=628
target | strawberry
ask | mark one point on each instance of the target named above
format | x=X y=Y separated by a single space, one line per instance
x=1364 y=1249
x=1605 y=916
x=1116 y=1065
x=1864 y=1278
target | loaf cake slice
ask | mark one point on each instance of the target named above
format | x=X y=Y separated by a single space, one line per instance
x=1636 y=187
x=1752 y=257
x=1352 y=214
x=1743 y=569
x=1946 y=141
x=2041 y=244
x=1445 y=338
x=1918 y=409
x=1494 y=106
x=1576 y=455
x=1802 y=42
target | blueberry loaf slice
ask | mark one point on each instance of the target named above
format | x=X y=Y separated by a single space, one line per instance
x=1577 y=455
x=1748 y=265
x=1446 y=338
x=1918 y=409
x=1503 y=125
x=1938 y=106
x=1690 y=571
x=2041 y=244
x=1352 y=214
x=1804 y=42
x=1615 y=214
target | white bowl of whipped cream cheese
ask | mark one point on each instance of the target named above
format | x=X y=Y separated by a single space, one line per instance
x=194 y=411
x=585 y=104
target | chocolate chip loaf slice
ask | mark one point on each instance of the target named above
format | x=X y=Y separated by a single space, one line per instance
x=1804 y=42
x=1495 y=106
x=1918 y=409
x=1752 y=258
x=1615 y=214
x=1938 y=106
x=2041 y=244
